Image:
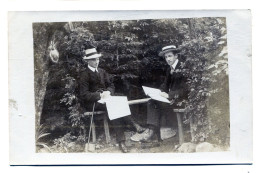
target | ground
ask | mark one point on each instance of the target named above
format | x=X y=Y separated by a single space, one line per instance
x=165 y=146
x=168 y=145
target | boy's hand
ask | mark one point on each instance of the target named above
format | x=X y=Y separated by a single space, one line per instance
x=105 y=94
x=164 y=94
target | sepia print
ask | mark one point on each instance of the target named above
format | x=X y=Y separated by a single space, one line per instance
x=78 y=63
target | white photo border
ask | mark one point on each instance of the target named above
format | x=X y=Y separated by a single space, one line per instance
x=21 y=89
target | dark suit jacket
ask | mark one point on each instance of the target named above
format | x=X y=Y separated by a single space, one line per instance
x=91 y=84
x=175 y=84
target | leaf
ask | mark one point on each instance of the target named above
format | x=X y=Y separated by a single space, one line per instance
x=136 y=28
x=42 y=135
x=221 y=42
x=224 y=37
x=221 y=62
x=223 y=30
x=44 y=145
x=224 y=51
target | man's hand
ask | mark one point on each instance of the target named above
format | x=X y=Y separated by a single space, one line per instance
x=176 y=96
x=172 y=102
x=164 y=94
x=105 y=94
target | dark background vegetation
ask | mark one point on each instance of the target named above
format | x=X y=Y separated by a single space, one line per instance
x=130 y=54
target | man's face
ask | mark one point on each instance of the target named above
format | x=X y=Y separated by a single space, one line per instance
x=93 y=62
x=170 y=58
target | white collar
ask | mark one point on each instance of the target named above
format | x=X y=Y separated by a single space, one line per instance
x=92 y=68
x=175 y=64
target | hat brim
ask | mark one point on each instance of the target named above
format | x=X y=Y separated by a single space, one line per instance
x=92 y=56
x=169 y=50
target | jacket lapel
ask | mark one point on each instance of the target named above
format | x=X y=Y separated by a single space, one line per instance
x=174 y=76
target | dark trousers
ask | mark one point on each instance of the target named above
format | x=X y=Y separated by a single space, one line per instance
x=155 y=110
x=118 y=125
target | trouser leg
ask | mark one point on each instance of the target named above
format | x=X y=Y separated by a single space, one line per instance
x=154 y=117
x=153 y=114
x=155 y=110
x=118 y=126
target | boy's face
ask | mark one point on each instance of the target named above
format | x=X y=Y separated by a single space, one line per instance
x=170 y=58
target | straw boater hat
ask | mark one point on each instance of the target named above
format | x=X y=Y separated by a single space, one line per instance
x=91 y=54
x=170 y=48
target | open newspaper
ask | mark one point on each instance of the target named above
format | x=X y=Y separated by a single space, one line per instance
x=155 y=94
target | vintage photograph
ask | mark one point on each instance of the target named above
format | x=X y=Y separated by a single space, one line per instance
x=132 y=86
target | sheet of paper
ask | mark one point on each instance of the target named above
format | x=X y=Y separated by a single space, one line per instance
x=117 y=107
x=159 y=98
x=155 y=94
x=151 y=91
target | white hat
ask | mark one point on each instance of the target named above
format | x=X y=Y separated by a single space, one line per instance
x=91 y=54
x=170 y=48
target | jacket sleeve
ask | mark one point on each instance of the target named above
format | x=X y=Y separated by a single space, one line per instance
x=85 y=94
x=165 y=85
x=180 y=91
x=109 y=84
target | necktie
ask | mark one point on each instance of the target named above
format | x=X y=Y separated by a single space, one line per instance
x=172 y=70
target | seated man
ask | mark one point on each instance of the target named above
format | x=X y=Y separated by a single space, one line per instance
x=174 y=88
x=95 y=84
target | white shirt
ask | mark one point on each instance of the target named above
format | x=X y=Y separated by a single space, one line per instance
x=92 y=68
x=174 y=66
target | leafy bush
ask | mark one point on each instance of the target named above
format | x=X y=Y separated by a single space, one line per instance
x=68 y=143
x=206 y=61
